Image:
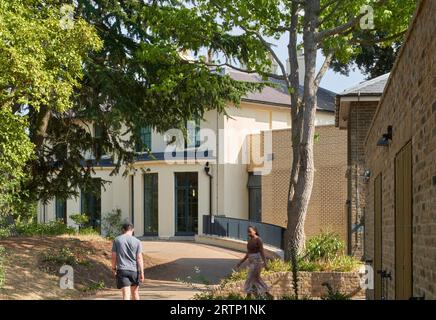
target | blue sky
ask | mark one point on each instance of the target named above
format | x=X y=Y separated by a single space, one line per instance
x=333 y=81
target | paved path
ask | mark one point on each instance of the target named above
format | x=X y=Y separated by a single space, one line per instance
x=180 y=260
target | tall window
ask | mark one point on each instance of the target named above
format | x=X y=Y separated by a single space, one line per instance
x=145 y=139
x=90 y=204
x=98 y=134
x=193 y=128
x=61 y=209
x=151 y=205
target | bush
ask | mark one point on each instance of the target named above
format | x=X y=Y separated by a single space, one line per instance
x=80 y=219
x=324 y=246
x=88 y=231
x=5 y=232
x=94 y=286
x=2 y=267
x=64 y=256
x=325 y=252
x=52 y=228
x=112 y=223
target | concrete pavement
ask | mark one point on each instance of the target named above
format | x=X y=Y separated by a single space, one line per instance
x=180 y=261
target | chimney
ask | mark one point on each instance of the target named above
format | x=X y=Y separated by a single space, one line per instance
x=301 y=66
x=274 y=64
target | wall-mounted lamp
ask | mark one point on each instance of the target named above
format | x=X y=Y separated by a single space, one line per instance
x=366 y=175
x=386 y=138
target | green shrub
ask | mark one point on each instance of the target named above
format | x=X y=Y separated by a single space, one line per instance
x=5 y=232
x=94 y=286
x=52 y=228
x=63 y=256
x=88 y=231
x=325 y=252
x=80 y=219
x=111 y=223
x=324 y=246
x=2 y=267
x=333 y=295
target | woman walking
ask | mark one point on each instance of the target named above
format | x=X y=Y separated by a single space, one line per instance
x=254 y=285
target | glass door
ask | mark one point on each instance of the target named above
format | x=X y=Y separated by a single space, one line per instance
x=151 y=205
x=186 y=203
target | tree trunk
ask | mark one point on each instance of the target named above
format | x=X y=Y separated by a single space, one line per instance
x=302 y=187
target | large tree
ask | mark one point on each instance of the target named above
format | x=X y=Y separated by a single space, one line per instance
x=40 y=66
x=325 y=26
x=139 y=77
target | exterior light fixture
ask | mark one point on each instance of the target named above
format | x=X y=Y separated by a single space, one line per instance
x=366 y=175
x=386 y=138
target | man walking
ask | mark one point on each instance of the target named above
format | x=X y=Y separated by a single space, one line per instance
x=127 y=263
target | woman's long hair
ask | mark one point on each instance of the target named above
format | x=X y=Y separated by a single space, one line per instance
x=255 y=230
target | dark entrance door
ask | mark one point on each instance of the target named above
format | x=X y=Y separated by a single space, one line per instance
x=151 y=212
x=186 y=203
x=255 y=197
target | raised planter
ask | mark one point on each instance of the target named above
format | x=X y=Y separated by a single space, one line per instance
x=310 y=284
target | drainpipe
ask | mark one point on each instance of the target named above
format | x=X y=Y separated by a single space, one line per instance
x=207 y=170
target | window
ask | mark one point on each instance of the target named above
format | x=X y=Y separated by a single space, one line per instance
x=98 y=134
x=151 y=204
x=145 y=139
x=132 y=199
x=61 y=209
x=90 y=204
x=193 y=133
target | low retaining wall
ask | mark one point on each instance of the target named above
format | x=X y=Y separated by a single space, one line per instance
x=310 y=284
x=238 y=245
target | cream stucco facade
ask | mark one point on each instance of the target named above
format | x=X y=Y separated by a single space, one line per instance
x=229 y=194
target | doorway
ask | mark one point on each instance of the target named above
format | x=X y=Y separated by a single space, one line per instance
x=151 y=204
x=186 y=203
x=403 y=223
x=378 y=237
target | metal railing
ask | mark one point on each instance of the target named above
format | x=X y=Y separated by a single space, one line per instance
x=237 y=229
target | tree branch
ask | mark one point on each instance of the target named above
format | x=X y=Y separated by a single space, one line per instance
x=270 y=50
x=339 y=29
x=324 y=68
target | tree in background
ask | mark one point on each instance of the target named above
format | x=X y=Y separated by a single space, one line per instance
x=333 y=27
x=139 y=77
x=40 y=66
x=372 y=58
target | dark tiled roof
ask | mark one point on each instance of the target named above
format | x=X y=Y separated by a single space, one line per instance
x=373 y=87
x=279 y=95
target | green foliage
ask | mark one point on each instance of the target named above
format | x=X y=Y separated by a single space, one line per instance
x=63 y=256
x=94 y=286
x=15 y=150
x=40 y=60
x=80 y=219
x=52 y=228
x=323 y=246
x=140 y=54
x=88 y=231
x=325 y=252
x=294 y=297
x=333 y=294
x=2 y=267
x=111 y=223
x=210 y=296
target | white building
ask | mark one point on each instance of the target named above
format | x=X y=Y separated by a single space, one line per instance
x=169 y=199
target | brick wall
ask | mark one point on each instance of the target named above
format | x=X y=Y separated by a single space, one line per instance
x=409 y=105
x=327 y=209
x=310 y=284
x=360 y=118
